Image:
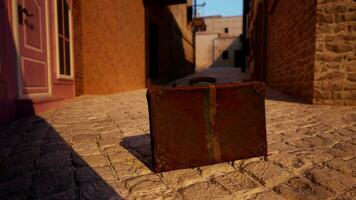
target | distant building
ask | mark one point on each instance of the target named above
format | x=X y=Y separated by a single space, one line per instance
x=55 y=50
x=218 y=42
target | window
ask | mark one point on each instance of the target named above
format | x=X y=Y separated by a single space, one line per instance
x=64 y=39
x=225 y=55
x=226 y=30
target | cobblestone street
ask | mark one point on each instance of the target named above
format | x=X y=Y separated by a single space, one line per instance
x=98 y=147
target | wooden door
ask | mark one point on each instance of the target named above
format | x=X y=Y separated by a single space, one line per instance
x=34 y=62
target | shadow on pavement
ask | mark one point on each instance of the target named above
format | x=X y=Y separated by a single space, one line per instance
x=274 y=95
x=140 y=147
x=37 y=163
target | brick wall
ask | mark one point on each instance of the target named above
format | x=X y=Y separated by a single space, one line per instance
x=335 y=60
x=291 y=47
x=109 y=46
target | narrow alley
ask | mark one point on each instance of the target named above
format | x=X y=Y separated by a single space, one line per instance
x=98 y=147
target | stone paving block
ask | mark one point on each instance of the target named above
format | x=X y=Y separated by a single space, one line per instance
x=144 y=185
x=332 y=179
x=114 y=150
x=343 y=150
x=119 y=188
x=67 y=195
x=125 y=171
x=49 y=146
x=106 y=173
x=22 y=147
x=98 y=190
x=55 y=159
x=215 y=170
x=314 y=141
x=205 y=190
x=238 y=164
x=333 y=136
x=13 y=171
x=28 y=156
x=86 y=149
x=181 y=178
x=316 y=156
x=347 y=132
x=348 y=167
x=172 y=196
x=280 y=147
x=108 y=143
x=122 y=157
x=236 y=181
x=267 y=173
x=53 y=181
x=85 y=175
x=84 y=137
x=99 y=160
x=269 y=195
x=348 y=194
x=18 y=185
x=290 y=162
x=301 y=188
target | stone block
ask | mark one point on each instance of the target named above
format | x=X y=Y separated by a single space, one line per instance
x=266 y=173
x=211 y=171
x=301 y=188
x=351 y=77
x=236 y=181
x=205 y=190
x=143 y=185
x=330 y=178
x=181 y=178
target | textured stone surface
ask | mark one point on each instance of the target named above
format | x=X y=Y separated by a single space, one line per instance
x=335 y=61
x=311 y=155
x=205 y=190
x=300 y=188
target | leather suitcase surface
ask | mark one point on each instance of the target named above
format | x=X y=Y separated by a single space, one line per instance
x=199 y=125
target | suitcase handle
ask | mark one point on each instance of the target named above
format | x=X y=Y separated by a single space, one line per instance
x=195 y=80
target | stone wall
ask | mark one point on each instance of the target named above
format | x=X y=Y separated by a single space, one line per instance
x=291 y=47
x=335 y=60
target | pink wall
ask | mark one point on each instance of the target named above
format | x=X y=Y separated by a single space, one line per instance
x=8 y=83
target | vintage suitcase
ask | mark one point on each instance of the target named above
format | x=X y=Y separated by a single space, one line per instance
x=204 y=124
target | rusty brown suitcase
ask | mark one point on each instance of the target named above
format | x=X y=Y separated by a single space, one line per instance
x=199 y=125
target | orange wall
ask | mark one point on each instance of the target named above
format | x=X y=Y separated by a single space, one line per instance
x=109 y=46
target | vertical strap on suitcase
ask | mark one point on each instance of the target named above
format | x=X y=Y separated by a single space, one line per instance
x=211 y=137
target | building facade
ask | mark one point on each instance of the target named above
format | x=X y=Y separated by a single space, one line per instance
x=55 y=50
x=304 y=48
x=218 y=42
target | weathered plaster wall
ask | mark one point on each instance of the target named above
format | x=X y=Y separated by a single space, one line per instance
x=335 y=60
x=176 y=48
x=291 y=48
x=204 y=50
x=217 y=24
x=221 y=44
x=109 y=46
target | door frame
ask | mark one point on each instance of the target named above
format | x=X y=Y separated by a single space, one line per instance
x=15 y=32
